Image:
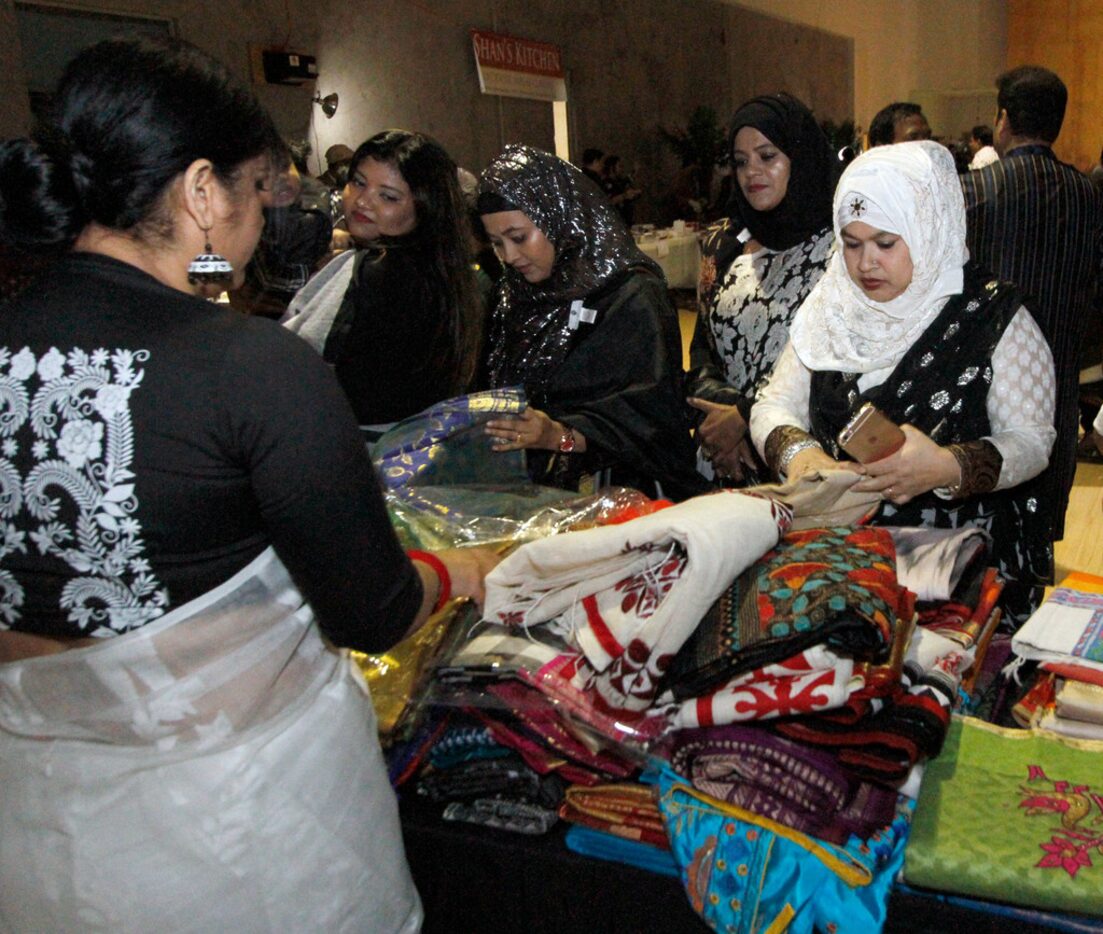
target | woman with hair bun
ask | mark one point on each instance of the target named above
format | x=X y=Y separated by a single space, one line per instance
x=180 y=748
x=399 y=318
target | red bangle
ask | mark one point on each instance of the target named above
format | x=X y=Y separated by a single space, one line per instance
x=443 y=577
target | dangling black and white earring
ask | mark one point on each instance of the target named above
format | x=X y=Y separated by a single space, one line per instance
x=209 y=267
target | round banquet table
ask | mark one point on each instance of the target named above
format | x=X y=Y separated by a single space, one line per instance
x=679 y=255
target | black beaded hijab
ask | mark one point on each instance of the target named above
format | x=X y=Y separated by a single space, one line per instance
x=530 y=335
x=814 y=170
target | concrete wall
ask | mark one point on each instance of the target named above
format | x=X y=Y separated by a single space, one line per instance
x=632 y=64
x=224 y=28
x=909 y=49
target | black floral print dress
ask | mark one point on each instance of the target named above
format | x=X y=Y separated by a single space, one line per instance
x=746 y=302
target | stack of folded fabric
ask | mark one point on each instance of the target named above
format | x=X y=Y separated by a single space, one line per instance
x=782 y=674
x=479 y=780
x=619 y=822
x=784 y=638
x=1065 y=636
x=626 y=597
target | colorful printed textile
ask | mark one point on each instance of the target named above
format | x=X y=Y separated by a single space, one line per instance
x=459 y=743
x=745 y=874
x=815 y=680
x=624 y=809
x=968 y=619
x=880 y=740
x=629 y=595
x=1068 y=626
x=795 y=785
x=791 y=783
x=1074 y=672
x=532 y=726
x=601 y=845
x=446 y=444
x=1012 y=815
x=1063 y=707
x=833 y=586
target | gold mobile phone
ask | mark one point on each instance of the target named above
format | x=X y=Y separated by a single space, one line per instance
x=870 y=435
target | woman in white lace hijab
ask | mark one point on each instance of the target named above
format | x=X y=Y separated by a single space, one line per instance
x=902 y=319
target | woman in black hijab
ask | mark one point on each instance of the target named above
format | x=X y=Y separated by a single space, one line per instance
x=585 y=324
x=757 y=267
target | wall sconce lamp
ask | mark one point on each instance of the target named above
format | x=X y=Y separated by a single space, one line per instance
x=327 y=103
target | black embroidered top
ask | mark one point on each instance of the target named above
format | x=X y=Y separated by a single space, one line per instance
x=153 y=444
x=941 y=387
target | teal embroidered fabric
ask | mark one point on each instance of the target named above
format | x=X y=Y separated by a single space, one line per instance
x=744 y=874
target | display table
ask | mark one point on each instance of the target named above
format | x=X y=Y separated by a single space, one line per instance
x=495 y=882
x=679 y=255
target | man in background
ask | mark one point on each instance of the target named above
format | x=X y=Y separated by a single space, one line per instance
x=593 y=164
x=1037 y=222
x=899 y=122
x=980 y=145
x=338 y=160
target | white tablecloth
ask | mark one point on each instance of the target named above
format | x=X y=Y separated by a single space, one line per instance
x=679 y=255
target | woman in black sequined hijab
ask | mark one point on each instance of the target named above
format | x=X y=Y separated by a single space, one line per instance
x=584 y=323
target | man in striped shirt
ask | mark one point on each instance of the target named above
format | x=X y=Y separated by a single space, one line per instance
x=1038 y=222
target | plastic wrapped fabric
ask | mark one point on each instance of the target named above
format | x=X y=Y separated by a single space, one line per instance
x=397 y=676
x=514 y=816
x=463 y=742
x=508 y=777
x=433 y=517
x=447 y=445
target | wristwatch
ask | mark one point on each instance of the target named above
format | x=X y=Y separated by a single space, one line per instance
x=566 y=443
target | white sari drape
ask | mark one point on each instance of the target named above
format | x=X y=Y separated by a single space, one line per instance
x=216 y=770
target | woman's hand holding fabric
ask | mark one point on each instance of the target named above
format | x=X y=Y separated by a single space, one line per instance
x=468 y=568
x=812 y=459
x=466 y=572
x=723 y=438
x=918 y=467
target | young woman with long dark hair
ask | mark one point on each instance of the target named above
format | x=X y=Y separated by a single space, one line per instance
x=400 y=318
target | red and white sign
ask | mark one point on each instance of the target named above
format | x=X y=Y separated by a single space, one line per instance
x=513 y=67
